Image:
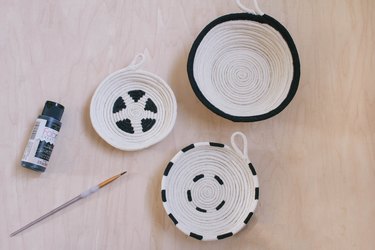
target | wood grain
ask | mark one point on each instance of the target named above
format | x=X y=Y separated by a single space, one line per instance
x=315 y=160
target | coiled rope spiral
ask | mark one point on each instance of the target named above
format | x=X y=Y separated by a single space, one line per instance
x=210 y=190
x=133 y=109
x=244 y=66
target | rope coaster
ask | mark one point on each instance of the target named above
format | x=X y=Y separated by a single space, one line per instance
x=133 y=109
x=244 y=66
x=210 y=190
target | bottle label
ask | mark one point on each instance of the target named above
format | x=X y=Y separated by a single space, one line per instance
x=41 y=142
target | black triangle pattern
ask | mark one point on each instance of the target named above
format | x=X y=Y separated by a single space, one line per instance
x=126 y=126
x=150 y=105
x=136 y=94
x=119 y=105
x=147 y=124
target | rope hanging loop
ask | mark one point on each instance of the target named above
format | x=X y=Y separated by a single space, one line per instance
x=242 y=153
x=257 y=10
x=137 y=62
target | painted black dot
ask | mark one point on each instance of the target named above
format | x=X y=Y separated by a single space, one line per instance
x=198 y=177
x=126 y=126
x=150 y=105
x=119 y=105
x=163 y=195
x=136 y=94
x=189 y=195
x=252 y=169
x=187 y=148
x=201 y=210
x=257 y=193
x=220 y=205
x=168 y=168
x=196 y=236
x=223 y=236
x=248 y=218
x=219 y=180
x=215 y=144
x=147 y=124
x=173 y=219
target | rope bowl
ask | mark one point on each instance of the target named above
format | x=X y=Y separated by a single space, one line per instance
x=133 y=109
x=210 y=190
x=244 y=66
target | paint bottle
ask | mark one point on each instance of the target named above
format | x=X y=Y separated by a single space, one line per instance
x=43 y=136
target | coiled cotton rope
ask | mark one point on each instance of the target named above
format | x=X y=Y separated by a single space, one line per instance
x=244 y=66
x=210 y=190
x=133 y=109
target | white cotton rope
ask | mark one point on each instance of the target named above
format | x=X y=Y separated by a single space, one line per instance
x=244 y=68
x=133 y=109
x=257 y=10
x=210 y=190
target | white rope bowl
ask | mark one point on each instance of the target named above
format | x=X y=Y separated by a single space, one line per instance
x=210 y=190
x=244 y=67
x=133 y=109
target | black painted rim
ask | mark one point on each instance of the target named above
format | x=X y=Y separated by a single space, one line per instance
x=264 y=19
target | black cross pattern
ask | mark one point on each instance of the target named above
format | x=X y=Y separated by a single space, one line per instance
x=138 y=109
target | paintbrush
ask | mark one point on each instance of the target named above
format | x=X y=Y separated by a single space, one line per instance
x=68 y=203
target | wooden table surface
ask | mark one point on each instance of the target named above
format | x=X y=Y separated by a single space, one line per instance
x=315 y=160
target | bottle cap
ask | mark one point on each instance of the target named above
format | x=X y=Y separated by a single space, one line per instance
x=53 y=109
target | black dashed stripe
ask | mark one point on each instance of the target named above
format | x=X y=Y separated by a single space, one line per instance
x=201 y=210
x=219 y=180
x=198 y=177
x=163 y=195
x=215 y=144
x=189 y=195
x=187 y=148
x=223 y=236
x=196 y=236
x=248 y=218
x=173 y=219
x=256 y=193
x=168 y=168
x=220 y=205
x=252 y=169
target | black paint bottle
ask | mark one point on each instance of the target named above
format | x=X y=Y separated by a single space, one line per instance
x=43 y=137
